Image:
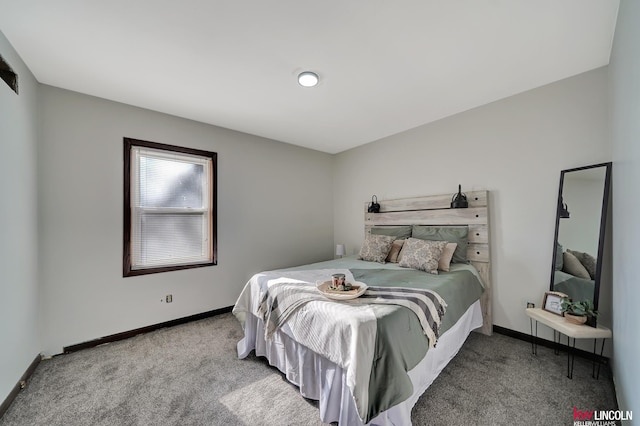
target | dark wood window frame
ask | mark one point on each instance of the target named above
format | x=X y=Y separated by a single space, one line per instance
x=127 y=270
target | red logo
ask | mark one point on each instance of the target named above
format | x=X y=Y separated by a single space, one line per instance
x=582 y=415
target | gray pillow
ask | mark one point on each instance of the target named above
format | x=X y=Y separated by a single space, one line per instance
x=375 y=248
x=400 y=232
x=452 y=234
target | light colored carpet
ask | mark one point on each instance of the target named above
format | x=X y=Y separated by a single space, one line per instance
x=190 y=375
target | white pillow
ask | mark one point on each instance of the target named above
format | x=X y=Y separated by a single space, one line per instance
x=446 y=256
x=396 y=247
x=573 y=266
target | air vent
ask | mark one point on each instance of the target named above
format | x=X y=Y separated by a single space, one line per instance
x=7 y=74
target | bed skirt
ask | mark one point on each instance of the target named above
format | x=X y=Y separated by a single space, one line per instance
x=321 y=380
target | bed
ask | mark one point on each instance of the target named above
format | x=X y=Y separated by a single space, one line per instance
x=576 y=288
x=368 y=361
x=574 y=273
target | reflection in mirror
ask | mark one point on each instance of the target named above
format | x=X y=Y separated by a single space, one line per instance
x=580 y=231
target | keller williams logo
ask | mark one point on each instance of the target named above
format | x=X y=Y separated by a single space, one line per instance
x=600 y=417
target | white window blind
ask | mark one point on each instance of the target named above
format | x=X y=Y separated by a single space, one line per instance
x=170 y=208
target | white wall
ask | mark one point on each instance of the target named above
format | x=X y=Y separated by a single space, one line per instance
x=515 y=148
x=624 y=71
x=19 y=338
x=274 y=210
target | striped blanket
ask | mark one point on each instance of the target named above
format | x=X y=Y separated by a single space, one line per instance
x=283 y=298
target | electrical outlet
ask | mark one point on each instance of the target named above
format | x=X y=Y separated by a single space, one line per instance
x=531 y=305
x=169 y=298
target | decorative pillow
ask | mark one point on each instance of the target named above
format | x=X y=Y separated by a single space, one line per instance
x=588 y=261
x=559 y=257
x=445 y=257
x=452 y=234
x=376 y=248
x=395 y=251
x=573 y=266
x=401 y=250
x=422 y=254
x=400 y=232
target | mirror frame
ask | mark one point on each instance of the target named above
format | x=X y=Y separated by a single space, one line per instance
x=601 y=233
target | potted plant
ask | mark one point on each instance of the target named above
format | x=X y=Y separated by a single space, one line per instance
x=578 y=312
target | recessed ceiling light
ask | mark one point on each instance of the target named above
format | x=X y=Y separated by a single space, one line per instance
x=308 y=79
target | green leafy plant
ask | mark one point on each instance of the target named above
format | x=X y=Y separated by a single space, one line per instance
x=584 y=307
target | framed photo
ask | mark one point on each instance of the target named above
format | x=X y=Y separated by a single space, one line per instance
x=552 y=302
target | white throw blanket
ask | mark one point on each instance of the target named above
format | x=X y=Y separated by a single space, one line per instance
x=344 y=332
x=284 y=297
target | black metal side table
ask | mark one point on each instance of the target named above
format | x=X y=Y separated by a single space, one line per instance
x=561 y=326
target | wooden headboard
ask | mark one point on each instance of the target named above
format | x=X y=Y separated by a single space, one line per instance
x=435 y=210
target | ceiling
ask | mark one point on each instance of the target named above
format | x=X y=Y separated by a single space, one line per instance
x=384 y=66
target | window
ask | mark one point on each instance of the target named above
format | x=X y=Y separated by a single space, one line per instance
x=169 y=208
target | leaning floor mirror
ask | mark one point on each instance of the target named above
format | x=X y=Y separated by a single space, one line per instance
x=581 y=218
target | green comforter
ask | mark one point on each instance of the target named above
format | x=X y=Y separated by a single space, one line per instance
x=397 y=351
